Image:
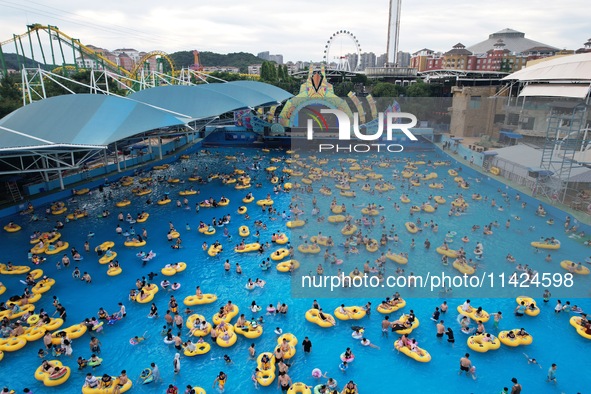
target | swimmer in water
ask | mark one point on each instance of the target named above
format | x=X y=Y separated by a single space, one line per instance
x=220 y=381
x=366 y=342
x=531 y=360
x=317 y=373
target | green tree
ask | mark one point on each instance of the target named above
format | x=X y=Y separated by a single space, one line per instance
x=269 y=72
x=280 y=75
x=264 y=71
x=238 y=59
x=272 y=72
x=386 y=89
x=227 y=77
x=418 y=89
x=343 y=88
x=10 y=94
x=360 y=79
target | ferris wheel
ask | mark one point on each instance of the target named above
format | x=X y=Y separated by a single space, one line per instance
x=342 y=52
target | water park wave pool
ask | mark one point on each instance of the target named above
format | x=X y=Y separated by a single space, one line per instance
x=555 y=340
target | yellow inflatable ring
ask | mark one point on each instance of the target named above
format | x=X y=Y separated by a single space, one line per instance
x=204 y=299
x=484 y=316
x=280 y=254
x=200 y=349
x=313 y=316
x=386 y=310
x=299 y=388
x=353 y=313
x=285 y=266
x=518 y=340
x=244 y=231
x=421 y=355
x=478 y=344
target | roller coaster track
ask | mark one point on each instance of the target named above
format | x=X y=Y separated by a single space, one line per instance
x=57 y=50
x=149 y=55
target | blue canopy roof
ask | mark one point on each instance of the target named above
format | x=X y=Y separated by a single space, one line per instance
x=279 y=95
x=209 y=100
x=190 y=102
x=82 y=120
x=95 y=121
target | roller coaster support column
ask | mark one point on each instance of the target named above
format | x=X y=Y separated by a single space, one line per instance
x=3 y=63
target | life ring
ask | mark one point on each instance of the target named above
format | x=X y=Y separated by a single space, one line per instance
x=146 y=376
x=175 y=286
x=348 y=360
x=96 y=363
x=33 y=320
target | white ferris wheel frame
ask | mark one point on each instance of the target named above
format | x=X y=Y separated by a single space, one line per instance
x=327 y=47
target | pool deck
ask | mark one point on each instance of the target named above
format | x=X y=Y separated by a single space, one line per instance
x=116 y=174
x=579 y=215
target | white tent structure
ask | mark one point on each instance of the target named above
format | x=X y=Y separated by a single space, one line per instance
x=564 y=83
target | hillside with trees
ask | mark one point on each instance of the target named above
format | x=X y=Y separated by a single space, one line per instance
x=237 y=59
x=15 y=63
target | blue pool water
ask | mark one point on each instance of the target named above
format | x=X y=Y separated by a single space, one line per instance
x=383 y=370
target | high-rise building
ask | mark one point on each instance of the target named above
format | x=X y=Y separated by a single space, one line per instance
x=382 y=60
x=403 y=59
x=276 y=58
x=272 y=58
x=263 y=55
x=353 y=59
x=368 y=59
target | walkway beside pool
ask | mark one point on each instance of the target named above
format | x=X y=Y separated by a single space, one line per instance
x=579 y=215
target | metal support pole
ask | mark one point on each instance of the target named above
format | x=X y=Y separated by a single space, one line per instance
x=105 y=161
x=45 y=167
x=117 y=158
x=160 y=147
x=59 y=173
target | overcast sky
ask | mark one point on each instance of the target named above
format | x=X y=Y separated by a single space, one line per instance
x=297 y=29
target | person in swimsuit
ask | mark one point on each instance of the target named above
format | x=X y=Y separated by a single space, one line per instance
x=440 y=329
x=465 y=365
x=284 y=381
x=350 y=388
x=220 y=380
x=516 y=389
x=121 y=382
x=106 y=381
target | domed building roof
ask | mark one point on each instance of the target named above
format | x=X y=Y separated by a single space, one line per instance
x=514 y=41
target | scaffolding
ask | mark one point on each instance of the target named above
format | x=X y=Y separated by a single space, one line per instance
x=565 y=136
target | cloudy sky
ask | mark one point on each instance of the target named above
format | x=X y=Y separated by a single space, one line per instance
x=297 y=29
